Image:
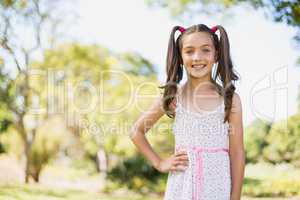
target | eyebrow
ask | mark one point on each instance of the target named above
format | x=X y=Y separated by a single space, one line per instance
x=187 y=47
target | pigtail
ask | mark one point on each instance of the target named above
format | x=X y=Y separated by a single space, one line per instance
x=225 y=71
x=174 y=70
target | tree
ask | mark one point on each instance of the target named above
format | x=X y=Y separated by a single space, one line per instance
x=255 y=140
x=5 y=117
x=286 y=11
x=283 y=141
x=98 y=81
x=76 y=71
x=38 y=22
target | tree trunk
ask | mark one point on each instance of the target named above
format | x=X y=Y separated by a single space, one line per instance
x=36 y=175
x=27 y=162
x=27 y=146
x=101 y=160
x=21 y=129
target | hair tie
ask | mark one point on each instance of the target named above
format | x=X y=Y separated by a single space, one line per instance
x=181 y=29
x=214 y=29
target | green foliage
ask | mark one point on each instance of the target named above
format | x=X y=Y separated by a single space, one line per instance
x=267 y=180
x=271 y=188
x=179 y=8
x=123 y=95
x=46 y=145
x=4 y=124
x=286 y=11
x=7 y=3
x=2 y=150
x=136 y=64
x=283 y=141
x=13 y=3
x=5 y=120
x=275 y=142
x=124 y=76
x=77 y=62
x=255 y=142
x=5 y=116
x=12 y=142
x=86 y=165
x=136 y=173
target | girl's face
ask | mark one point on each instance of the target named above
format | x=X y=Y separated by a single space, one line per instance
x=198 y=55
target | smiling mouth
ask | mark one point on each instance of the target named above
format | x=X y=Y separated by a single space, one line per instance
x=198 y=66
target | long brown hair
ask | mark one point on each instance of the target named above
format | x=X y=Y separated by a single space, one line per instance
x=224 y=72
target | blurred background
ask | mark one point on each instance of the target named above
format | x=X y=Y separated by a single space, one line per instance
x=76 y=74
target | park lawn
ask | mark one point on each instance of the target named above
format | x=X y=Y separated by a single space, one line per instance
x=259 y=179
x=266 y=180
x=37 y=192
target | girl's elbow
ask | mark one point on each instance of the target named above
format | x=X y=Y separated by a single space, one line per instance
x=134 y=133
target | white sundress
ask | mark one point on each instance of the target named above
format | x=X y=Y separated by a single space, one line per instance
x=206 y=139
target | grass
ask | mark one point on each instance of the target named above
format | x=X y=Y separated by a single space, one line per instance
x=264 y=181
x=38 y=192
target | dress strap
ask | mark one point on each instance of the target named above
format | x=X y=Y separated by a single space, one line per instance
x=178 y=94
x=176 y=98
x=223 y=103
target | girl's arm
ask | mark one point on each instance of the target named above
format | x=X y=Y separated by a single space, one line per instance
x=236 y=148
x=140 y=128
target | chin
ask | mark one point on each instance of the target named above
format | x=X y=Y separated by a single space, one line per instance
x=198 y=75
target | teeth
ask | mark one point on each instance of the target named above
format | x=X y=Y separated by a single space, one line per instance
x=198 y=66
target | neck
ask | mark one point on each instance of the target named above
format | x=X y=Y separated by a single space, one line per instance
x=201 y=84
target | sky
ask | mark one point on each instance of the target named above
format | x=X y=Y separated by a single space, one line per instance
x=263 y=52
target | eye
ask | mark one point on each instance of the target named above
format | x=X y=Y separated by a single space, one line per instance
x=206 y=50
x=189 y=52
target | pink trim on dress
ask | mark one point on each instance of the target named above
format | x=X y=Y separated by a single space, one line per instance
x=198 y=180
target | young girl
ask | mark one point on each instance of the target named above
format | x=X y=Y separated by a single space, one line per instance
x=208 y=162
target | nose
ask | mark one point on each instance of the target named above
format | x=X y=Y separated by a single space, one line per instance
x=197 y=56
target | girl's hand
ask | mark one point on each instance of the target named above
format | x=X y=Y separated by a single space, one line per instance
x=176 y=162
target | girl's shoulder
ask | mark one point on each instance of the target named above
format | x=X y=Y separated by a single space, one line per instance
x=236 y=103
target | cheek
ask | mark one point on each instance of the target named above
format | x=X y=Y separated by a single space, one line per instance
x=186 y=59
x=211 y=58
